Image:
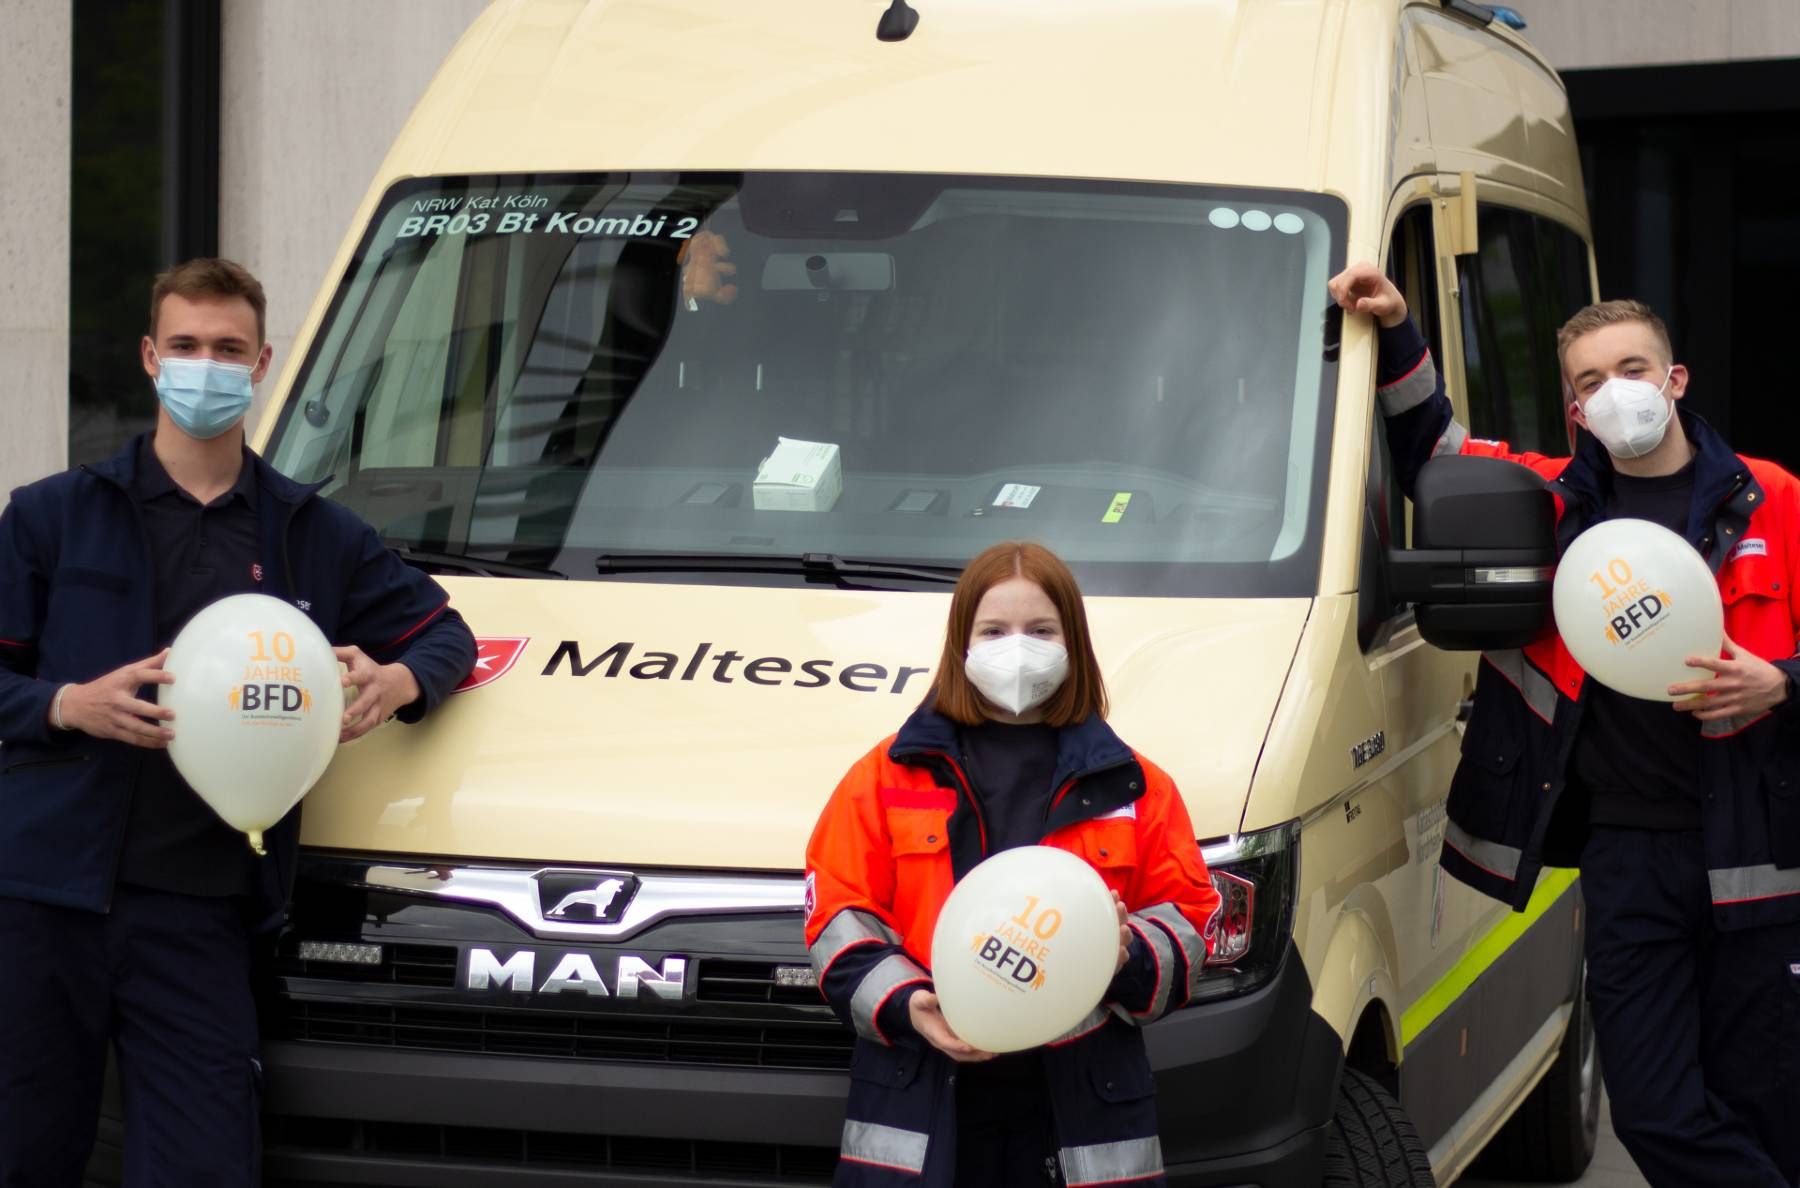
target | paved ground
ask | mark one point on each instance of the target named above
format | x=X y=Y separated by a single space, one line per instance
x=1612 y=1167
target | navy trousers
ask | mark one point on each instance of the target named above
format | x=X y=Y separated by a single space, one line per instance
x=166 y=980
x=1698 y=1029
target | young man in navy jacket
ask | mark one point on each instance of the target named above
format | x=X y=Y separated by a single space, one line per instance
x=127 y=908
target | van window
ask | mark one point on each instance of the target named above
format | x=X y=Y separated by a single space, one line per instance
x=1528 y=277
x=551 y=370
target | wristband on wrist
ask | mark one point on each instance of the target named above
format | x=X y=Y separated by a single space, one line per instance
x=56 y=718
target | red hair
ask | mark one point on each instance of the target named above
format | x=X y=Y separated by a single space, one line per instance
x=1081 y=696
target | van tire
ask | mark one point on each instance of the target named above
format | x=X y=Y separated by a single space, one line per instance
x=1370 y=1142
x=1551 y=1137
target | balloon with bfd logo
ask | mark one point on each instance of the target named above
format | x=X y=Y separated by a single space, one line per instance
x=258 y=703
x=1024 y=948
x=1634 y=600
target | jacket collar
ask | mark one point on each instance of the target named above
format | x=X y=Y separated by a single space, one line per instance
x=1087 y=750
x=1721 y=481
x=121 y=470
x=1082 y=747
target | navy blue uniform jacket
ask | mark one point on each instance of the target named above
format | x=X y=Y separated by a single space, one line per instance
x=75 y=604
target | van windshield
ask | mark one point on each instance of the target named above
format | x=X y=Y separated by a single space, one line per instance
x=566 y=372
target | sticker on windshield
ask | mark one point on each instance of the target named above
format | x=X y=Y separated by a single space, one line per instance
x=1116 y=512
x=527 y=214
x=1017 y=495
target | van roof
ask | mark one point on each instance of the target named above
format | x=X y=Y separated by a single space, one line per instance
x=1278 y=93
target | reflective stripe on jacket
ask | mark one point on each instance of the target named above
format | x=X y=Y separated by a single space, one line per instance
x=900 y=829
x=1504 y=826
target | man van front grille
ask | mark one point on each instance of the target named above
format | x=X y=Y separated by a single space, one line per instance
x=751 y=981
x=401 y=965
x=719 y=980
x=650 y=1159
x=665 y=1039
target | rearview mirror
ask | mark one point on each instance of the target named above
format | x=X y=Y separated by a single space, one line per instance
x=834 y=272
x=1484 y=555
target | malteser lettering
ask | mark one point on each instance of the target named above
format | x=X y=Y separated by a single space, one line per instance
x=753 y=671
x=854 y=673
x=703 y=663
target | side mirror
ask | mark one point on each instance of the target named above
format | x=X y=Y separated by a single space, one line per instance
x=1484 y=555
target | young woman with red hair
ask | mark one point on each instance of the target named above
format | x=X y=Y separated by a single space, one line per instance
x=1010 y=748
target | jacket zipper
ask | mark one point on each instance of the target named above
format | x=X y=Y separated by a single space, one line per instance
x=118 y=841
x=968 y=790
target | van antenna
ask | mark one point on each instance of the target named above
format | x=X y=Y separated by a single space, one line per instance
x=897 y=23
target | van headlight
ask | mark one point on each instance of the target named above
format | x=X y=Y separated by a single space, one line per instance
x=1256 y=877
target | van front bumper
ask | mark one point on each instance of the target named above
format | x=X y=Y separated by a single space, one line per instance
x=1245 y=1088
x=407 y=1073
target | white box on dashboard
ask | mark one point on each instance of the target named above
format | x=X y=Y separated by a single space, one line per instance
x=798 y=476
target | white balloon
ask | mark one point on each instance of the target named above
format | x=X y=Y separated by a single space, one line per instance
x=258 y=702
x=1633 y=601
x=1024 y=948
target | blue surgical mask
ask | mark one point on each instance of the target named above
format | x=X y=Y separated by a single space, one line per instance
x=204 y=396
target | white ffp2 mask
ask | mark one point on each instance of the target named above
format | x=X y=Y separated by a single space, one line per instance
x=1017 y=672
x=1629 y=416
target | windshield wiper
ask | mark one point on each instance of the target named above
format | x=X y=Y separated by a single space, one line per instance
x=828 y=566
x=482 y=566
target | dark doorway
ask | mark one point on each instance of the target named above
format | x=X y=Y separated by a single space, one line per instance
x=144 y=172
x=1693 y=176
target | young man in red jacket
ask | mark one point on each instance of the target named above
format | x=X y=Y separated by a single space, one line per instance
x=1684 y=819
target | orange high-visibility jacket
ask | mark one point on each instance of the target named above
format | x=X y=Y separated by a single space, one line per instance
x=904 y=824
x=1503 y=825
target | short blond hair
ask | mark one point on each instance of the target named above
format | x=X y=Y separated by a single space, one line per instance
x=1611 y=313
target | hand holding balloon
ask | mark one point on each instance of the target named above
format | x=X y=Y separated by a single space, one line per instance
x=1632 y=600
x=381 y=690
x=109 y=707
x=1019 y=952
x=928 y=1020
x=1745 y=686
x=260 y=708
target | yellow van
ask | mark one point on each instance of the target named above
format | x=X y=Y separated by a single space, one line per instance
x=697 y=343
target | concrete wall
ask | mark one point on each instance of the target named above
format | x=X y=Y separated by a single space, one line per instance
x=35 y=88
x=313 y=94
x=1579 y=34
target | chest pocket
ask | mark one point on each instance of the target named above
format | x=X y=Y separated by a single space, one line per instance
x=1755 y=590
x=1752 y=575
x=1109 y=845
x=918 y=832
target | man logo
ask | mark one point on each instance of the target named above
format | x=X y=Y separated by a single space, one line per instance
x=585 y=897
x=600 y=899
